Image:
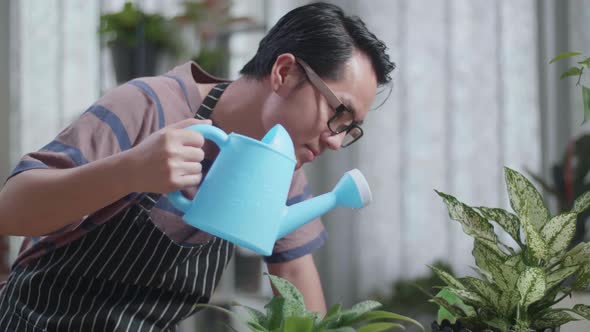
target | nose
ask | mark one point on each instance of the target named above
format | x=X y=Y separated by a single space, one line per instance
x=333 y=142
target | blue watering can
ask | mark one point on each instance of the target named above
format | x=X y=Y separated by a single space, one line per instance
x=242 y=198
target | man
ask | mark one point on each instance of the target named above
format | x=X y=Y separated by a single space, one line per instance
x=106 y=251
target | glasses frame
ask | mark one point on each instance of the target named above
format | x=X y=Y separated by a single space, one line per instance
x=334 y=102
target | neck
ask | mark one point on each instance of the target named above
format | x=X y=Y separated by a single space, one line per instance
x=240 y=107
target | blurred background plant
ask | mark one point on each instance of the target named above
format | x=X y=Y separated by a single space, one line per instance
x=136 y=40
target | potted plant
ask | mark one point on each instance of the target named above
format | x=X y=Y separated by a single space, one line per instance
x=287 y=313
x=136 y=40
x=518 y=285
x=208 y=25
x=409 y=297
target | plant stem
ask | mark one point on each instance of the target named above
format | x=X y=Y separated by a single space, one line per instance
x=580 y=77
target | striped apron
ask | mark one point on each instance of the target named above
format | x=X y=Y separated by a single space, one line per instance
x=124 y=275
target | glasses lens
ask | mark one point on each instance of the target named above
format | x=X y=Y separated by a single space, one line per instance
x=352 y=136
x=341 y=121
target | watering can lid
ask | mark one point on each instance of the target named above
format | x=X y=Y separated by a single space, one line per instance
x=278 y=139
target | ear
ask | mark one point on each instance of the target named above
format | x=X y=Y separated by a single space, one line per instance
x=285 y=73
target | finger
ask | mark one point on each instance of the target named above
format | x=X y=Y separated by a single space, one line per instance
x=190 y=138
x=189 y=168
x=188 y=181
x=192 y=154
x=189 y=122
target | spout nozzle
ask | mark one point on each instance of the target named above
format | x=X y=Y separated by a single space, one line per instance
x=353 y=190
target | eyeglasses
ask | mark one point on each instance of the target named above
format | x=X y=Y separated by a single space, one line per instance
x=343 y=119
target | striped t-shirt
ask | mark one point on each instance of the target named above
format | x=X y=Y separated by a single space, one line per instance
x=121 y=119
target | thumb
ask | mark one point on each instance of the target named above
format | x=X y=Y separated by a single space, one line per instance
x=189 y=122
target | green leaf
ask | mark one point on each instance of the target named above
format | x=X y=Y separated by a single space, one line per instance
x=535 y=242
x=572 y=71
x=473 y=224
x=531 y=285
x=298 y=324
x=582 y=310
x=451 y=306
x=507 y=302
x=525 y=200
x=521 y=326
x=559 y=232
x=334 y=310
x=291 y=294
x=340 y=329
x=586 y=101
x=582 y=203
x=564 y=55
x=582 y=281
x=499 y=323
x=470 y=298
x=554 y=278
x=383 y=315
x=487 y=256
x=447 y=278
x=585 y=62
x=359 y=309
x=508 y=221
x=578 y=255
x=275 y=312
x=488 y=291
x=377 y=327
x=552 y=318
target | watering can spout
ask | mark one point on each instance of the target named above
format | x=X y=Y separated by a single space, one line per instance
x=352 y=190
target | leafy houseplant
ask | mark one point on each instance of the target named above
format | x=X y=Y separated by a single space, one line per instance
x=136 y=39
x=409 y=297
x=518 y=286
x=577 y=71
x=287 y=313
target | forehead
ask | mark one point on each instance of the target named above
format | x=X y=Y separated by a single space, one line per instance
x=357 y=84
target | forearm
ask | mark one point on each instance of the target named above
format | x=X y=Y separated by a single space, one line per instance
x=40 y=201
x=303 y=274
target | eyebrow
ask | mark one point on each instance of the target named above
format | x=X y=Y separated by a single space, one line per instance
x=346 y=102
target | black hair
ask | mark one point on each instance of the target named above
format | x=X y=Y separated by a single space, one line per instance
x=324 y=37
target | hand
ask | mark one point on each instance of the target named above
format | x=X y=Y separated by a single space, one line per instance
x=168 y=160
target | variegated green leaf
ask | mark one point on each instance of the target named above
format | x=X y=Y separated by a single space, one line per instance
x=578 y=255
x=508 y=221
x=487 y=255
x=582 y=310
x=525 y=200
x=582 y=203
x=531 y=285
x=488 y=291
x=559 y=232
x=522 y=325
x=582 y=281
x=507 y=302
x=554 y=278
x=498 y=323
x=551 y=319
x=447 y=278
x=359 y=309
x=470 y=298
x=473 y=224
x=516 y=262
x=505 y=276
x=534 y=241
x=287 y=290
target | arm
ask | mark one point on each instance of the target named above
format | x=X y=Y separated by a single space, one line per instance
x=302 y=273
x=39 y=201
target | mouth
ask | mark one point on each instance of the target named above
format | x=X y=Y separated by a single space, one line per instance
x=310 y=154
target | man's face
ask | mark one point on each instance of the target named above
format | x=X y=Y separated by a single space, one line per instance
x=304 y=111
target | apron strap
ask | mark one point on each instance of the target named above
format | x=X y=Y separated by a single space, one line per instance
x=206 y=108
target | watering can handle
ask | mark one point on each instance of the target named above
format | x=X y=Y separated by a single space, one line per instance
x=212 y=133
